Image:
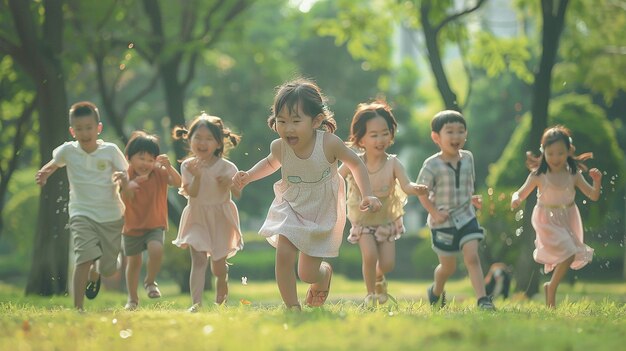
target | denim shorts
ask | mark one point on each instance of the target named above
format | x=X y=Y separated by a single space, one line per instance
x=449 y=241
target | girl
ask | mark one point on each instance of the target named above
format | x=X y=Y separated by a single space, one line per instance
x=372 y=131
x=308 y=213
x=145 y=217
x=556 y=220
x=209 y=224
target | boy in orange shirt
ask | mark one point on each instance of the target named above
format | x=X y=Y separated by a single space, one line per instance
x=149 y=175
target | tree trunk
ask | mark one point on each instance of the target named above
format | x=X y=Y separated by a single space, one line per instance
x=553 y=13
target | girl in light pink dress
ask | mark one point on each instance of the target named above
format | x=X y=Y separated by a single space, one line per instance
x=308 y=213
x=209 y=224
x=559 y=232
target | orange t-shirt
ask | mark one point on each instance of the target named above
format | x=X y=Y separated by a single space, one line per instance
x=147 y=210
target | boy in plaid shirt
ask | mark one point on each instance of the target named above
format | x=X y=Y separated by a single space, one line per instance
x=449 y=174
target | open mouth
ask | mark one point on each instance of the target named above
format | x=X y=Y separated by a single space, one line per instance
x=292 y=140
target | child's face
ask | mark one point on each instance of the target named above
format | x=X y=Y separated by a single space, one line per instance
x=296 y=128
x=85 y=130
x=556 y=155
x=142 y=163
x=377 y=136
x=451 y=138
x=203 y=143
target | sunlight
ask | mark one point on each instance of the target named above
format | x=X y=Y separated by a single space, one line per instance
x=303 y=5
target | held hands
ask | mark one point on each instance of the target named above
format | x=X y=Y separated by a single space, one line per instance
x=595 y=174
x=241 y=179
x=370 y=203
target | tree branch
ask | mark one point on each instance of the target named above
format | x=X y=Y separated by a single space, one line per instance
x=457 y=15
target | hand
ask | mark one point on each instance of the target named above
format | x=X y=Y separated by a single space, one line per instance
x=477 y=201
x=440 y=216
x=42 y=177
x=163 y=161
x=595 y=174
x=418 y=189
x=515 y=201
x=370 y=203
x=121 y=177
x=241 y=179
x=195 y=166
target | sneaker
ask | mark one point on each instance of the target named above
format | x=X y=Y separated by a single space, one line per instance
x=381 y=290
x=195 y=308
x=433 y=299
x=93 y=288
x=485 y=303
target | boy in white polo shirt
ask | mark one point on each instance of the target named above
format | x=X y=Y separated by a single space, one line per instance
x=95 y=207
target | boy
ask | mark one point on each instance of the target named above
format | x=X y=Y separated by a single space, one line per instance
x=145 y=219
x=95 y=207
x=449 y=174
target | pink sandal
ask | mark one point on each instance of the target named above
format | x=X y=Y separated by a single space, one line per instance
x=316 y=298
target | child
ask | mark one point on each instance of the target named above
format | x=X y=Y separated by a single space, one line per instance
x=95 y=207
x=373 y=129
x=556 y=220
x=209 y=224
x=145 y=219
x=308 y=213
x=449 y=174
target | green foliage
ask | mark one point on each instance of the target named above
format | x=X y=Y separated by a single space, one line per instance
x=497 y=55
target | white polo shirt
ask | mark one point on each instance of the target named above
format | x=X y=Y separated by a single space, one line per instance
x=92 y=191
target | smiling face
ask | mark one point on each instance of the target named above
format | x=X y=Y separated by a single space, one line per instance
x=451 y=138
x=142 y=163
x=556 y=156
x=296 y=128
x=85 y=130
x=203 y=143
x=377 y=137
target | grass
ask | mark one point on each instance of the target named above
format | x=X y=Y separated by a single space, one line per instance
x=589 y=316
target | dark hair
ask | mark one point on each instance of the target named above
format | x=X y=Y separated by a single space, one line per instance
x=366 y=112
x=444 y=117
x=84 y=109
x=553 y=135
x=216 y=126
x=142 y=142
x=304 y=94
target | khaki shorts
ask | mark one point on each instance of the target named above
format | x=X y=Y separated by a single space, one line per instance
x=93 y=240
x=136 y=244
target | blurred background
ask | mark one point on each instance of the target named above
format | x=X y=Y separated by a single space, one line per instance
x=512 y=67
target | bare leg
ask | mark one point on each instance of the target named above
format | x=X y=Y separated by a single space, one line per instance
x=155 y=257
x=446 y=267
x=220 y=271
x=369 y=256
x=133 y=267
x=199 y=263
x=474 y=270
x=558 y=274
x=81 y=274
x=285 y=271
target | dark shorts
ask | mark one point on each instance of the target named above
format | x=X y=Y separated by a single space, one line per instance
x=134 y=245
x=449 y=241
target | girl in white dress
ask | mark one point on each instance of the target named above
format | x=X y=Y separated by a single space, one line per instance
x=308 y=213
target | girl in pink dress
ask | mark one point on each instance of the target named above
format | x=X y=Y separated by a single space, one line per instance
x=308 y=213
x=559 y=242
x=209 y=224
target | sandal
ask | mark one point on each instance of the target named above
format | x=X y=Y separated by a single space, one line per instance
x=316 y=298
x=381 y=290
x=131 y=305
x=92 y=289
x=153 y=290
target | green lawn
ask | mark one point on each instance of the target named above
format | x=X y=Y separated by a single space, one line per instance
x=590 y=316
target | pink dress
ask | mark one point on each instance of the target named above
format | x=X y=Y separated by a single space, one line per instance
x=309 y=207
x=558 y=226
x=210 y=221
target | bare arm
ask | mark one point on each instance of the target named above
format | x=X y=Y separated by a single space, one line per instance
x=406 y=184
x=45 y=172
x=437 y=216
x=350 y=159
x=194 y=167
x=343 y=171
x=173 y=177
x=592 y=192
x=262 y=169
x=522 y=193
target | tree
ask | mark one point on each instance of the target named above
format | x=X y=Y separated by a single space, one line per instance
x=36 y=47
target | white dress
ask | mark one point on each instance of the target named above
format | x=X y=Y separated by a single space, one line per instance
x=309 y=207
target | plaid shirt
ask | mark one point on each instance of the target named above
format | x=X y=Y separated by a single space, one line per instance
x=450 y=189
